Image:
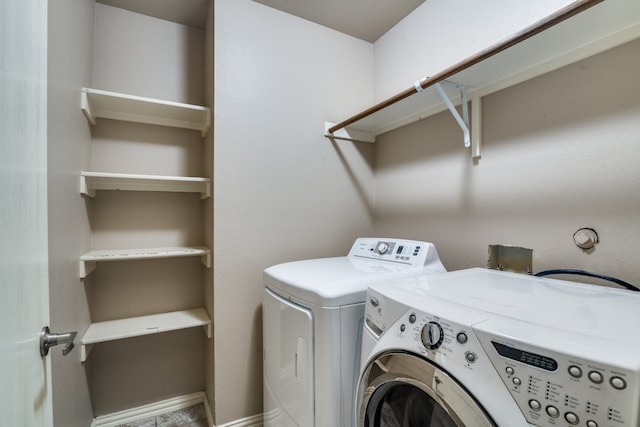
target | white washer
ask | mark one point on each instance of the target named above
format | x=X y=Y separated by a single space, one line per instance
x=313 y=314
x=480 y=348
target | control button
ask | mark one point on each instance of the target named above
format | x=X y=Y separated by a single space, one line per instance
x=373 y=301
x=382 y=248
x=516 y=381
x=618 y=383
x=432 y=335
x=535 y=405
x=591 y=423
x=552 y=411
x=412 y=318
x=571 y=418
x=509 y=370
x=575 y=371
x=596 y=377
x=471 y=357
x=462 y=338
x=402 y=328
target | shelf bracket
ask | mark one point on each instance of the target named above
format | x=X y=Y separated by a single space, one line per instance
x=85 y=188
x=206 y=259
x=86 y=267
x=476 y=126
x=206 y=191
x=85 y=349
x=463 y=121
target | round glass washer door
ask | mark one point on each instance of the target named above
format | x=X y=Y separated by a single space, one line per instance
x=404 y=390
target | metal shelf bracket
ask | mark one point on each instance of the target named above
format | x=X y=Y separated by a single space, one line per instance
x=463 y=121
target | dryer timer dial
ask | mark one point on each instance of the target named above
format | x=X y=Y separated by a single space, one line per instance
x=382 y=248
x=432 y=335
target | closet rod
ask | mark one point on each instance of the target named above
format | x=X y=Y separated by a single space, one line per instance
x=532 y=30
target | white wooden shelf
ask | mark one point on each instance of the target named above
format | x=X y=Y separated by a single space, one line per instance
x=111 y=105
x=88 y=261
x=92 y=181
x=144 y=325
x=601 y=27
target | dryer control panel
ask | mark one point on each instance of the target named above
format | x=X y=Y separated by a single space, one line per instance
x=552 y=388
x=406 y=253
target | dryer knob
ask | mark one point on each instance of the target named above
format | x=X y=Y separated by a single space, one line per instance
x=432 y=335
x=382 y=248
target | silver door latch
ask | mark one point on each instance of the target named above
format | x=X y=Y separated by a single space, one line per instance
x=48 y=340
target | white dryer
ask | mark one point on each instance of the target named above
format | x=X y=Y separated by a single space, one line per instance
x=313 y=314
x=479 y=348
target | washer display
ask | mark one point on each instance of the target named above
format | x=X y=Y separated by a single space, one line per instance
x=487 y=348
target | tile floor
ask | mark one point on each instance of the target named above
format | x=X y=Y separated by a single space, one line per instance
x=193 y=416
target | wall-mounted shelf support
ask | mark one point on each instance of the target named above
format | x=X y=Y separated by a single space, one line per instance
x=463 y=121
x=476 y=126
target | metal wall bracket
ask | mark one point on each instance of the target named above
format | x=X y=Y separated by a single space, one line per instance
x=463 y=121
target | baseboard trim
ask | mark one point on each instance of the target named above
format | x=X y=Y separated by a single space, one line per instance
x=156 y=408
x=253 y=421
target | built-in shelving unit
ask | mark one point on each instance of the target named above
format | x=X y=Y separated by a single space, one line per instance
x=143 y=325
x=582 y=29
x=111 y=105
x=88 y=261
x=118 y=106
x=92 y=181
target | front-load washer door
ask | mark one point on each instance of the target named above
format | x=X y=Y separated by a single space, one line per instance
x=405 y=390
x=288 y=362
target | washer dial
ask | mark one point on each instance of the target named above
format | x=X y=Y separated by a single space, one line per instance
x=432 y=335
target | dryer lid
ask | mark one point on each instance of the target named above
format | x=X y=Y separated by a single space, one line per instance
x=338 y=281
x=332 y=282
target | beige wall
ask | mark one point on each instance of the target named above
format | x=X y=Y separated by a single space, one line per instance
x=560 y=152
x=145 y=56
x=282 y=191
x=70 y=33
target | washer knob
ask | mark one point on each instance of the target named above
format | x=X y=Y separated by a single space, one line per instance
x=432 y=335
x=382 y=248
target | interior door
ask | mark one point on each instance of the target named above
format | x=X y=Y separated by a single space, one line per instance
x=25 y=377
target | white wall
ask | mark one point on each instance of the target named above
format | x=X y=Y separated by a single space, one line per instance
x=282 y=191
x=70 y=33
x=438 y=35
x=560 y=152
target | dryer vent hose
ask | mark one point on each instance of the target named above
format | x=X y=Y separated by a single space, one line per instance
x=588 y=274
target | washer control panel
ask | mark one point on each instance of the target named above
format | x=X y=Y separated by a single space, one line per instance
x=409 y=253
x=554 y=389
